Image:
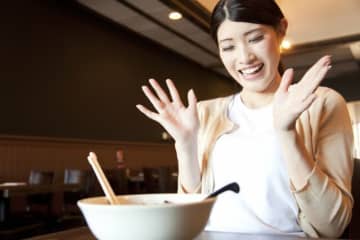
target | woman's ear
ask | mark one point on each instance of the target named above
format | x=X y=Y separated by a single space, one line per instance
x=282 y=28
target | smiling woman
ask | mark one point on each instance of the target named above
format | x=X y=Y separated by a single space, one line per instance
x=248 y=51
x=288 y=146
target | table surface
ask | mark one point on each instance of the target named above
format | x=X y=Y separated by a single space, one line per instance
x=7 y=190
x=84 y=233
x=10 y=190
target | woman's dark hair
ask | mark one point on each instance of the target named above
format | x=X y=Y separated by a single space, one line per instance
x=253 y=11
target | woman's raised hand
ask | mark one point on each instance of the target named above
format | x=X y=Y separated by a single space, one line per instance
x=179 y=121
x=292 y=100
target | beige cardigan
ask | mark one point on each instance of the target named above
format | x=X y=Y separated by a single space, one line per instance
x=325 y=202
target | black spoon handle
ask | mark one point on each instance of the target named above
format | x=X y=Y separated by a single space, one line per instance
x=230 y=187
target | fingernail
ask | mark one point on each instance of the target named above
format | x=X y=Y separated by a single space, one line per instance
x=289 y=70
x=327 y=61
x=329 y=67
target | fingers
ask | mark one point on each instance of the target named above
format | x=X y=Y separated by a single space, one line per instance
x=306 y=103
x=319 y=63
x=325 y=60
x=174 y=93
x=153 y=99
x=322 y=62
x=147 y=112
x=316 y=73
x=191 y=99
x=160 y=100
x=319 y=75
x=159 y=91
x=286 y=80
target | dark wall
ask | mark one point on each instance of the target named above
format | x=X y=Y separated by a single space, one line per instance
x=347 y=85
x=66 y=72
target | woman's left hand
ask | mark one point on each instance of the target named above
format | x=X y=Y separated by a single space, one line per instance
x=292 y=100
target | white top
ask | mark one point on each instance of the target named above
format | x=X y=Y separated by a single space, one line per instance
x=250 y=156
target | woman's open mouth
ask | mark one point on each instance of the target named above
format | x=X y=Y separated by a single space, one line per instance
x=251 y=71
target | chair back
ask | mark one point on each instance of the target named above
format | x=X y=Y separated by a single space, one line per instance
x=70 y=197
x=41 y=177
x=38 y=205
x=74 y=176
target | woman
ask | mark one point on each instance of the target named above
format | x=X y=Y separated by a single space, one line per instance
x=287 y=145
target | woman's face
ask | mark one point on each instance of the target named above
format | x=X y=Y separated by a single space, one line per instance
x=251 y=54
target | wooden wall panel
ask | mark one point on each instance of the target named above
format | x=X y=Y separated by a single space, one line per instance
x=18 y=155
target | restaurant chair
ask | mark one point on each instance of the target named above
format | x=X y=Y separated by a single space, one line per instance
x=39 y=204
x=70 y=197
x=71 y=216
x=37 y=177
x=34 y=219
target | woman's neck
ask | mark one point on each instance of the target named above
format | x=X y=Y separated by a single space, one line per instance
x=256 y=100
x=253 y=99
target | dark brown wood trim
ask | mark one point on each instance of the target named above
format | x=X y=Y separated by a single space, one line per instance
x=38 y=139
x=307 y=47
x=167 y=28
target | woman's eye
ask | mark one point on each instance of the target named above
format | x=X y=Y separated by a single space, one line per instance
x=227 y=48
x=256 y=39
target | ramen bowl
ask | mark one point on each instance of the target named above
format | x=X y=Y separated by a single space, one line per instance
x=147 y=216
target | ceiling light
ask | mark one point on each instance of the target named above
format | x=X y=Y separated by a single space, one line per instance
x=286 y=44
x=175 y=16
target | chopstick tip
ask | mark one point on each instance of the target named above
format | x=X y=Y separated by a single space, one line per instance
x=91 y=157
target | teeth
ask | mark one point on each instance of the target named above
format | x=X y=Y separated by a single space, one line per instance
x=251 y=70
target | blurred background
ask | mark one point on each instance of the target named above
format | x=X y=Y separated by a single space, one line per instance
x=74 y=69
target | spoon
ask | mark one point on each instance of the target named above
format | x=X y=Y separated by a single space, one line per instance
x=229 y=187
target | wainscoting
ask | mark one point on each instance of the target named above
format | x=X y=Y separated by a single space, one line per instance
x=18 y=155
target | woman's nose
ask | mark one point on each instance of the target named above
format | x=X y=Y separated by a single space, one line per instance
x=244 y=55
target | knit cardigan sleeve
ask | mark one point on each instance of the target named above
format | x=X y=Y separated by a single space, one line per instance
x=325 y=201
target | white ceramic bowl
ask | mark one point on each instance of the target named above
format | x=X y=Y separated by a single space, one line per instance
x=146 y=216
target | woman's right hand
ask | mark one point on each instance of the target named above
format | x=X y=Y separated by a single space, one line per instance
x=181 y=122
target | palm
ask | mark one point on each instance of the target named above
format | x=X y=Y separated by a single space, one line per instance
x=174 y=119
x=292 y=100
x=179 y=121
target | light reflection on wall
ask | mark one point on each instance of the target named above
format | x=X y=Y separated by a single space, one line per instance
x=354 y=110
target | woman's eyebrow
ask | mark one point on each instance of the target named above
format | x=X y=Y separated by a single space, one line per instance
x=258 y=29
x=225 y=39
